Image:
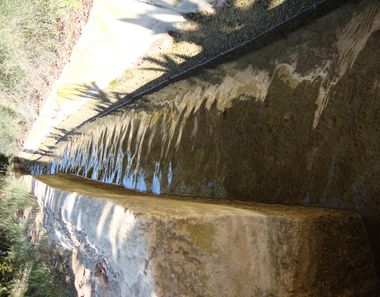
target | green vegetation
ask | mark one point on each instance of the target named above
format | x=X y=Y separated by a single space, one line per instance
x=12 y=125
x=30 y=36
x=27 y=267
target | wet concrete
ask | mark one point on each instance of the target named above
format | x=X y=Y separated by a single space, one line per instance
x=132 y=47
x=125 y=243
x=295 y=121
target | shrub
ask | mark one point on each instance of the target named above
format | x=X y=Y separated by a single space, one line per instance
x=12 y=126
x=26 y=268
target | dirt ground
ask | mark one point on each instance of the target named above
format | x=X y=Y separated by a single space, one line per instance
x=70 y=30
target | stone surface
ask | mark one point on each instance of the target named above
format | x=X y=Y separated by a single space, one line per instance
x=125 y=243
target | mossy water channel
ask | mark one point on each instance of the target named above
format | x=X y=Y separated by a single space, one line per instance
x=294 y=121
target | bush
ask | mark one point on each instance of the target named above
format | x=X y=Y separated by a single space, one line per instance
x=12 y=126
x=26 y=268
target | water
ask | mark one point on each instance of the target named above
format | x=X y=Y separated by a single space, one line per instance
x=251 y=129
x=295 y=121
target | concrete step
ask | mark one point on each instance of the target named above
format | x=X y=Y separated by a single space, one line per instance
x=126 y=243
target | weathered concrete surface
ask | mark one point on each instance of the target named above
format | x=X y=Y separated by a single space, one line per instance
x=128 y=244
x=130 y=46
x=294 y=121
x=108 y=46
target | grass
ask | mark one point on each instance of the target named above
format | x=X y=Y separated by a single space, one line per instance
x=30 y=37
x=27 y=267
x=12 y=126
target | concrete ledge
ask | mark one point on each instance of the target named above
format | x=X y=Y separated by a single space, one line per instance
x=128 y=244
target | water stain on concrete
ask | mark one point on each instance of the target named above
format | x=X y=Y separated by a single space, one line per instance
x=293 y=122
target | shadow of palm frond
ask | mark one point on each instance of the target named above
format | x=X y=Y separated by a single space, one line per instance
x=92 y=91
x=230 y=32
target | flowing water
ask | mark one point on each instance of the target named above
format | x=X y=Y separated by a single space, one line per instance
x=294 y=121
x=262 y=127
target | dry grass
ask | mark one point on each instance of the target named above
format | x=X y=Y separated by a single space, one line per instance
x=36 y=38
x=27 y=267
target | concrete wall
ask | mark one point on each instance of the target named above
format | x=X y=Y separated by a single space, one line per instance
x=128 y=244
x=130 y=47
x=294 y=121
x=291 y=120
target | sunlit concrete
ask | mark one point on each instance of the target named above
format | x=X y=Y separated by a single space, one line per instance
x=124 y=243
x=117 y=35
x=131 y=46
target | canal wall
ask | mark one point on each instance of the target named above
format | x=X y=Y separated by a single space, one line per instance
x=291 y=121
x=124 y=243
x=290 y=118
x=132 y=47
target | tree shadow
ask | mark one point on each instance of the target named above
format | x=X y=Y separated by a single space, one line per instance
x=244 y=29
x=59 y=134
x=240 y=30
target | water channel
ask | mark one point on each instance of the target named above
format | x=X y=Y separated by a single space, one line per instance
x=293 y=121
